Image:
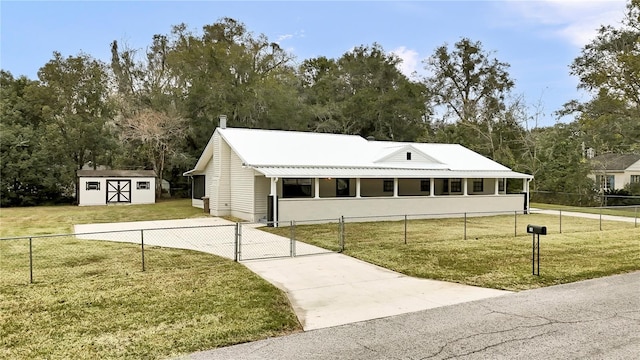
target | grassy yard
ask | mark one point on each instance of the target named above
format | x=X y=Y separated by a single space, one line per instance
x=39 y=220
x=91 y=300
x=491 y=256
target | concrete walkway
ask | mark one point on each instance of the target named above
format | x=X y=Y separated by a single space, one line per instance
x=325 y=290
x=587 y=215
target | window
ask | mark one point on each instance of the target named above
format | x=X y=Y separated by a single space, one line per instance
x=93 y=185
x=456 y=185
x=198 y=191
x=425 y=185
x=296 y=188
x=143 y=185
x=607 y=182
x=501 y=185
x=635 y=178
x=387 y=186
x=342 y=187
x=445 y=185
x=478 y=185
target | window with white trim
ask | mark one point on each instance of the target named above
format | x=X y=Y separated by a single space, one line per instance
x=425 y=185
x=143 y=185
x=455 y=185
x=387 y=186
x=93 y=185
x=635 y=179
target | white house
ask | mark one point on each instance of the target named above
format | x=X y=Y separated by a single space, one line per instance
x=615 y=171
x=286 y=175
x=104 y=187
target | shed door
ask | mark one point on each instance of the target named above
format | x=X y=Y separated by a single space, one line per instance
x=118 y=191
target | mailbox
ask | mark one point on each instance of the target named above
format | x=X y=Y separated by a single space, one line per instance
x=536 y=229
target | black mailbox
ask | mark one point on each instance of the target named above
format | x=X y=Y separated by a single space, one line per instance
x=536 y=229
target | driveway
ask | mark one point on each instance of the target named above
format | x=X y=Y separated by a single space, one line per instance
x=325 y=290
x=593 y=319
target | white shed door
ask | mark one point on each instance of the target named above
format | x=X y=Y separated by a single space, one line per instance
x=118 y=191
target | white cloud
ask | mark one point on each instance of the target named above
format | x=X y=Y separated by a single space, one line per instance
x=410 y=60
x=576 y=21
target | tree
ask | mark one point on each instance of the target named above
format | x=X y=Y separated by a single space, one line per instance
x=363 y=92
x=77 y=112
x=158 y=135
x=609 y=69
x=468 y=90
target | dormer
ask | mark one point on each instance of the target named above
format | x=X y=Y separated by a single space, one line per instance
x=407 y=154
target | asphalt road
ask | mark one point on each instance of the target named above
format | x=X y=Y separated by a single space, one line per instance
x=593 y=319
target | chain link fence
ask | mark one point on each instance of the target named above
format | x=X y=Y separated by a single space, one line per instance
x=83 y=255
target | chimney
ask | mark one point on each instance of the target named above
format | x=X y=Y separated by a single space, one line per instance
x=223 y=121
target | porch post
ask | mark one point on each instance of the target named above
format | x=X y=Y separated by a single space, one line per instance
x=432 y=187
x=274 y=195
x=464 y=187
x=357 y=187
x=497 y=186
x=316 y=187
x=395 y=187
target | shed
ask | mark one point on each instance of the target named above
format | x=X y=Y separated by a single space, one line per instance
x=107 y=187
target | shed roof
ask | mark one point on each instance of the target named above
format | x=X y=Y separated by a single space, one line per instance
x=305 y=154
x=116 y=173
x=614 y=162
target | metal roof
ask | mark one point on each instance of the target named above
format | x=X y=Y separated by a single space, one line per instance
x=306 y=154
x=116 y=173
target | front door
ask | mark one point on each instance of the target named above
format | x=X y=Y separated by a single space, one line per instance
x=118 y=191
x=342 y=187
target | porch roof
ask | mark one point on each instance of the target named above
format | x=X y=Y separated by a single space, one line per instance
x=382 y=172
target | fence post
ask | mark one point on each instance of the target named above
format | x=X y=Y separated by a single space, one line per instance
x=405 y=229
x=239 y=241
x=292 y=244
x=560 y=221
x=142 y=247
x=635 y=217
x=341 y=233
x=235 y=243
x=601 y=218
x=465 y=226
x=515 y=223
x=31 y=260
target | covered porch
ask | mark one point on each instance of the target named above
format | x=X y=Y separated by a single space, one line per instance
x=317 y=198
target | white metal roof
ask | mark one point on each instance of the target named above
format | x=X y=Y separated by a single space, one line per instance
x=305 y=154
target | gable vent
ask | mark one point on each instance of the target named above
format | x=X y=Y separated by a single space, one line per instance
x=408 y=155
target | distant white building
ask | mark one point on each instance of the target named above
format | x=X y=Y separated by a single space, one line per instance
x=615 y=171
x=105 y=187
x=286 y=175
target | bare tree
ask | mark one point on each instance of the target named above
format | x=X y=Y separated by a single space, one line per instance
x=158 y=134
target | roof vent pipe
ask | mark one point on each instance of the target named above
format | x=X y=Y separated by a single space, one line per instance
x=371 y=138
x=223 y=121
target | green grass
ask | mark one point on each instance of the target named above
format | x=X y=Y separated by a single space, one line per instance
x=491 y=256
x=90 y=300
x=628 y=211
x=40 y=220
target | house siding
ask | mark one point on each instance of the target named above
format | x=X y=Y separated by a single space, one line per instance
x=220 y=202
x=262 y=187
x=241 y=186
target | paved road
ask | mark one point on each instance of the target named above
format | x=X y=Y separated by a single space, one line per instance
x=594 y=319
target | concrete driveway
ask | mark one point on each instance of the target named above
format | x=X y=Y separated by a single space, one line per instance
x=325 y=290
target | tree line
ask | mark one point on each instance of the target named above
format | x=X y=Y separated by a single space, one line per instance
x=156 y=108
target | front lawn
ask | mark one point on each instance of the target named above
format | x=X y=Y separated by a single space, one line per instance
x=492 y=256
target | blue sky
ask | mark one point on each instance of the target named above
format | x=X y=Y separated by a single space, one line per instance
x=538 y=38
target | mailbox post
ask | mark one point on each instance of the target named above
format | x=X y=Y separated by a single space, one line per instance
x=536 y=231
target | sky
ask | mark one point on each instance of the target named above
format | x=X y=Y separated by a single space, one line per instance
x=539 y=39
